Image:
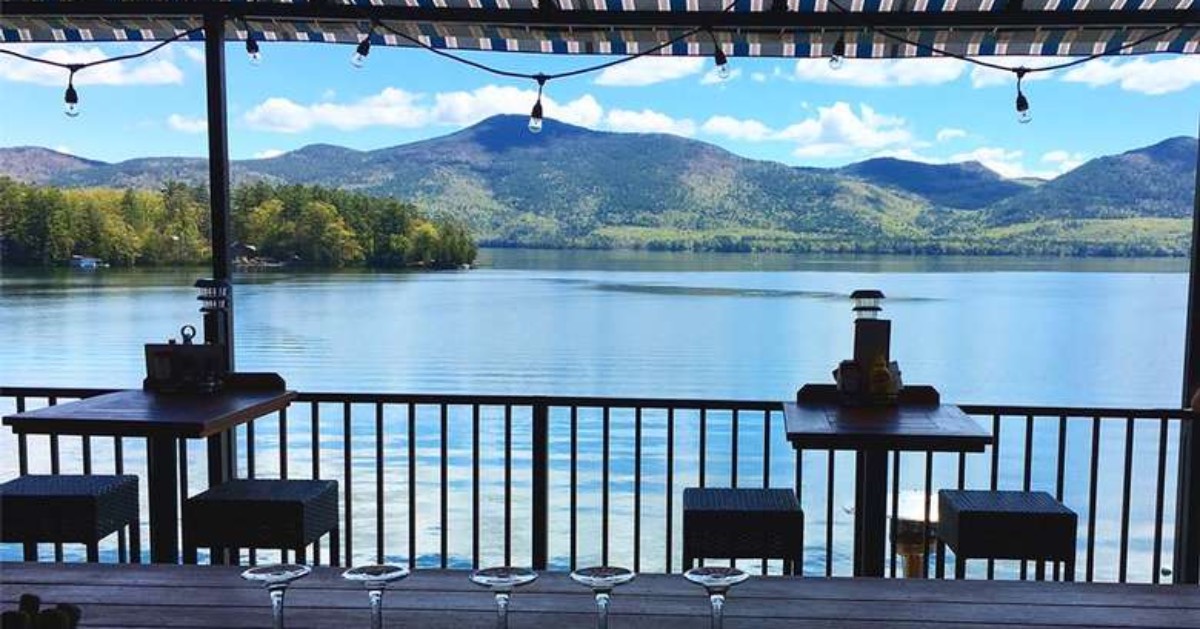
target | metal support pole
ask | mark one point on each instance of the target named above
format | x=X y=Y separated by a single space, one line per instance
x=218 y=161
x=222 y=448
x=1187 y=510
x=541 y=484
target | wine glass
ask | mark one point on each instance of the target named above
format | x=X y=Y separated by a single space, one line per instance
x=276 y=579
x=376 y=578
x=502 y=580
x=602 y=580
x=716 y=581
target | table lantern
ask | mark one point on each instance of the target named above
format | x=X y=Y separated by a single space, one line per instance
x=871 y=377
x=866 y=303
x=214 y=300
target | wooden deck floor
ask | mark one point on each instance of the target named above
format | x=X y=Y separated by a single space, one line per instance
x=206 y=596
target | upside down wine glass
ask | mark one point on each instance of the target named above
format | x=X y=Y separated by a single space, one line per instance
x=602 y=580
x=716 y=581
x=501 y=581
x=376 y=578
x=276 y=578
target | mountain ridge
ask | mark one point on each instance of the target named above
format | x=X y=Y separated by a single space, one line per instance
x=575 y=187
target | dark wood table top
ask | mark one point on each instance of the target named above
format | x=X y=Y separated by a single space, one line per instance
x=214 y=596
x=138 y=413
x=924 y=427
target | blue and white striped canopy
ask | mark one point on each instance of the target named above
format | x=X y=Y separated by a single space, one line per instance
x=496 y=31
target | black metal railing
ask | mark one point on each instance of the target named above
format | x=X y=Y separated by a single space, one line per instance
x=456 y=481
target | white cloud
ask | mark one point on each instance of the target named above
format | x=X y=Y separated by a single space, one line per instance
x=758 y=77
x=1011 y=163
x=1140 y=75
x=734 y=129
x=187 y=124
x=838 y=130
x=268 y=154
x=464 y=108
x=195 y=53
x=648 y=121
x=398 y=108
x=392 y=108
x=1064 y=161
x=63 y=148
x=713 y=77
x=155 y=71
x=950 y=133
x=650 y=70
x=880 y=72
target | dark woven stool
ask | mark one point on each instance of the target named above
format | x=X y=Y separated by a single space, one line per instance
x=1029 y=525
x=283 y=514
x=742 y=523
x=69 y=509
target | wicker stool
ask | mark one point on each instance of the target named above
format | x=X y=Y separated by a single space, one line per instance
x=283 y=514
x=69 y=509
x=743 y=523
x=1028 y=525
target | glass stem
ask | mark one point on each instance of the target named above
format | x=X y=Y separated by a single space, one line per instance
x=718 y=610
x=502 y=610
x=277 y=606
x=376 y=596
x=602 y=600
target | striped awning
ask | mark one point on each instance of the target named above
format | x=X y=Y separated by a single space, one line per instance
x=751 y=28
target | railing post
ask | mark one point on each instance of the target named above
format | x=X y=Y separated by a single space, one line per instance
x=541 y=483
x=1187 y=509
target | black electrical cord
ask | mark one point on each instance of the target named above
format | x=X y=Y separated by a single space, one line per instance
x=997 y=66
x=75 y=67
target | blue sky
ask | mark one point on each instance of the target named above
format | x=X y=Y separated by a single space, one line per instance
x=796 y=112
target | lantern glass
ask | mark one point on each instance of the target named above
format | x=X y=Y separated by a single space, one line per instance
x=866 y=312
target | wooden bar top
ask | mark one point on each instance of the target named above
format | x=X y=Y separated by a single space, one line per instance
x=215 y=596
x=140 y=413
x=818 y=420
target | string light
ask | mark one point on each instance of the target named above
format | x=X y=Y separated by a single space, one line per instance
x=535 y=117
x=252 y=48
x=719 y=58
x=360 y=54
x=837 y=59
x=1023 y=115
x=71 y=98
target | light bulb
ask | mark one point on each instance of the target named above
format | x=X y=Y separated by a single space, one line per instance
x=838 y=58
x=722 y=62
x=535 y=118
x=71 y=102
x=1023 y=114
x=360 y=54
x=252 y=50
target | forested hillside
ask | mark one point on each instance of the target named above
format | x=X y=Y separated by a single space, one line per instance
x=300 y=225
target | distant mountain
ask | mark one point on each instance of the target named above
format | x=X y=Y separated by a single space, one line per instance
x=574 y=187
x=966 y=185
x=1153 y=182
x=34 y=164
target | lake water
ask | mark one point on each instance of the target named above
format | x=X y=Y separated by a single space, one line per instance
x=982 y=330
